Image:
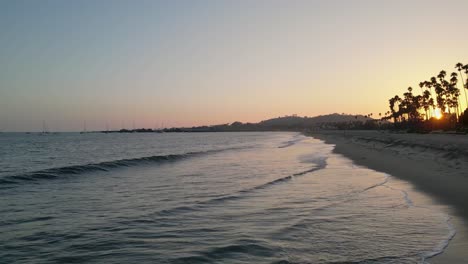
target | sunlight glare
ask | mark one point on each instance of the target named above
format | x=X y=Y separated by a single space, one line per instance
x=437 y=113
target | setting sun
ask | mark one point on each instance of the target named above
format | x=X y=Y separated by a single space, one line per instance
x=437 y=113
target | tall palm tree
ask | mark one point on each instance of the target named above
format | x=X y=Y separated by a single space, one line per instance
x=442 y=75
x=434 y=84
x=453 y=93
x=421 y=85
x=465 y=67
x=443 y=91
x=429 y=85
x=410 y=105
x=415 y=103
x=426 y=102
x=440 y=100
x=459 y=67
x=394 y=100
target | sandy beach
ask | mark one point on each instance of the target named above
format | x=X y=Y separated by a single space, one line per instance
x=436 y=164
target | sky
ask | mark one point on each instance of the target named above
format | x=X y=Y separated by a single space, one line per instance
x=184 y=63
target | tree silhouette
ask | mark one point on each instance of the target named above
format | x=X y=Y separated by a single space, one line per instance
x=428 y=86
x=459 y=67
x=453 y=93
x=395 y=114
x=440 y=92
x=466 y=74
x=427 y=102
x=409 y=109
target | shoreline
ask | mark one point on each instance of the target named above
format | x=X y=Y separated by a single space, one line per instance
x=436 y=164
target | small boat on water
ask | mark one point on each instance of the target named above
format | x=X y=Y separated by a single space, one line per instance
x=84 y=128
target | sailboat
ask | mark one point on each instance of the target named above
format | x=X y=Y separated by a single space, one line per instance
x=84 y=128
x=45 y=131
x=161 y=130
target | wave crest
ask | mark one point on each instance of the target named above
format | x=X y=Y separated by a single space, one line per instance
x=53 y=173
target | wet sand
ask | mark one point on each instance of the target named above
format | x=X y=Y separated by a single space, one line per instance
x=436 y=164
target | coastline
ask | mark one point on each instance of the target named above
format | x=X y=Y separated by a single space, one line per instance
x=436 y=164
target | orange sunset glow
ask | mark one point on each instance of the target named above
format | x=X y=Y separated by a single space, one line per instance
x=201 y=64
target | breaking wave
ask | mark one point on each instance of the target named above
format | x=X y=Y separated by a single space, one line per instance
x=53 y=173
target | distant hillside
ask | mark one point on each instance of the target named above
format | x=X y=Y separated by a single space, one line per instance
x=291 y=123
x=313 y=121
x=285 y=123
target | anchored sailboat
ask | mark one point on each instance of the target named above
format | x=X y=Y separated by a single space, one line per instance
x=84 y=128
x=45 y=130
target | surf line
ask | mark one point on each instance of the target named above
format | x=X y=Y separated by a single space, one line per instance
x=241 y=194
x=52 y=173
x=439 y=249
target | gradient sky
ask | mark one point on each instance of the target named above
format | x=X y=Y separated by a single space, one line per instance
x=208 y=62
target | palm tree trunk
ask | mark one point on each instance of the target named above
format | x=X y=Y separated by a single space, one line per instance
x=463 y=88
x=459 y=106
x=433 y=102
x=422 y=94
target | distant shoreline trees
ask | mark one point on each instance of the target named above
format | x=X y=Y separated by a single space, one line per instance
x=437 y=107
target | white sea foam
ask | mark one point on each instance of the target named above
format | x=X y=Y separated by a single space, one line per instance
x=443 y=244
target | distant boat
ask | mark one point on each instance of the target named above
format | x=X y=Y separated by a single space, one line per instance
x=45 y=130
x=84 y=128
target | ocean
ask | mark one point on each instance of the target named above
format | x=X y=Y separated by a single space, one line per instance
x=250 y=197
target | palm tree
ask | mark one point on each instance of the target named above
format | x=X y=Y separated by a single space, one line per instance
x=439 y=90
x=432 y=84
x=466 y=73
x=421 y=85
x=411 y=104
x=442 y=75
x=459 y=67
x=410 y=108
x=394 y=113
x=426 y=102
x=429 y=86
x=453 y=93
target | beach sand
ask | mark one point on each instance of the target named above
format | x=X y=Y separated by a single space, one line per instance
x=436 y=164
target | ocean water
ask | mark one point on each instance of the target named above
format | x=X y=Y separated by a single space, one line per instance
x=205 y=198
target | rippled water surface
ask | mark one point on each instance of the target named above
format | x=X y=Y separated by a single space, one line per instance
x=205 y=198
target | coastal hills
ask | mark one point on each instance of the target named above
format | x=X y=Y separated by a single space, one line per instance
x=285 y=123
